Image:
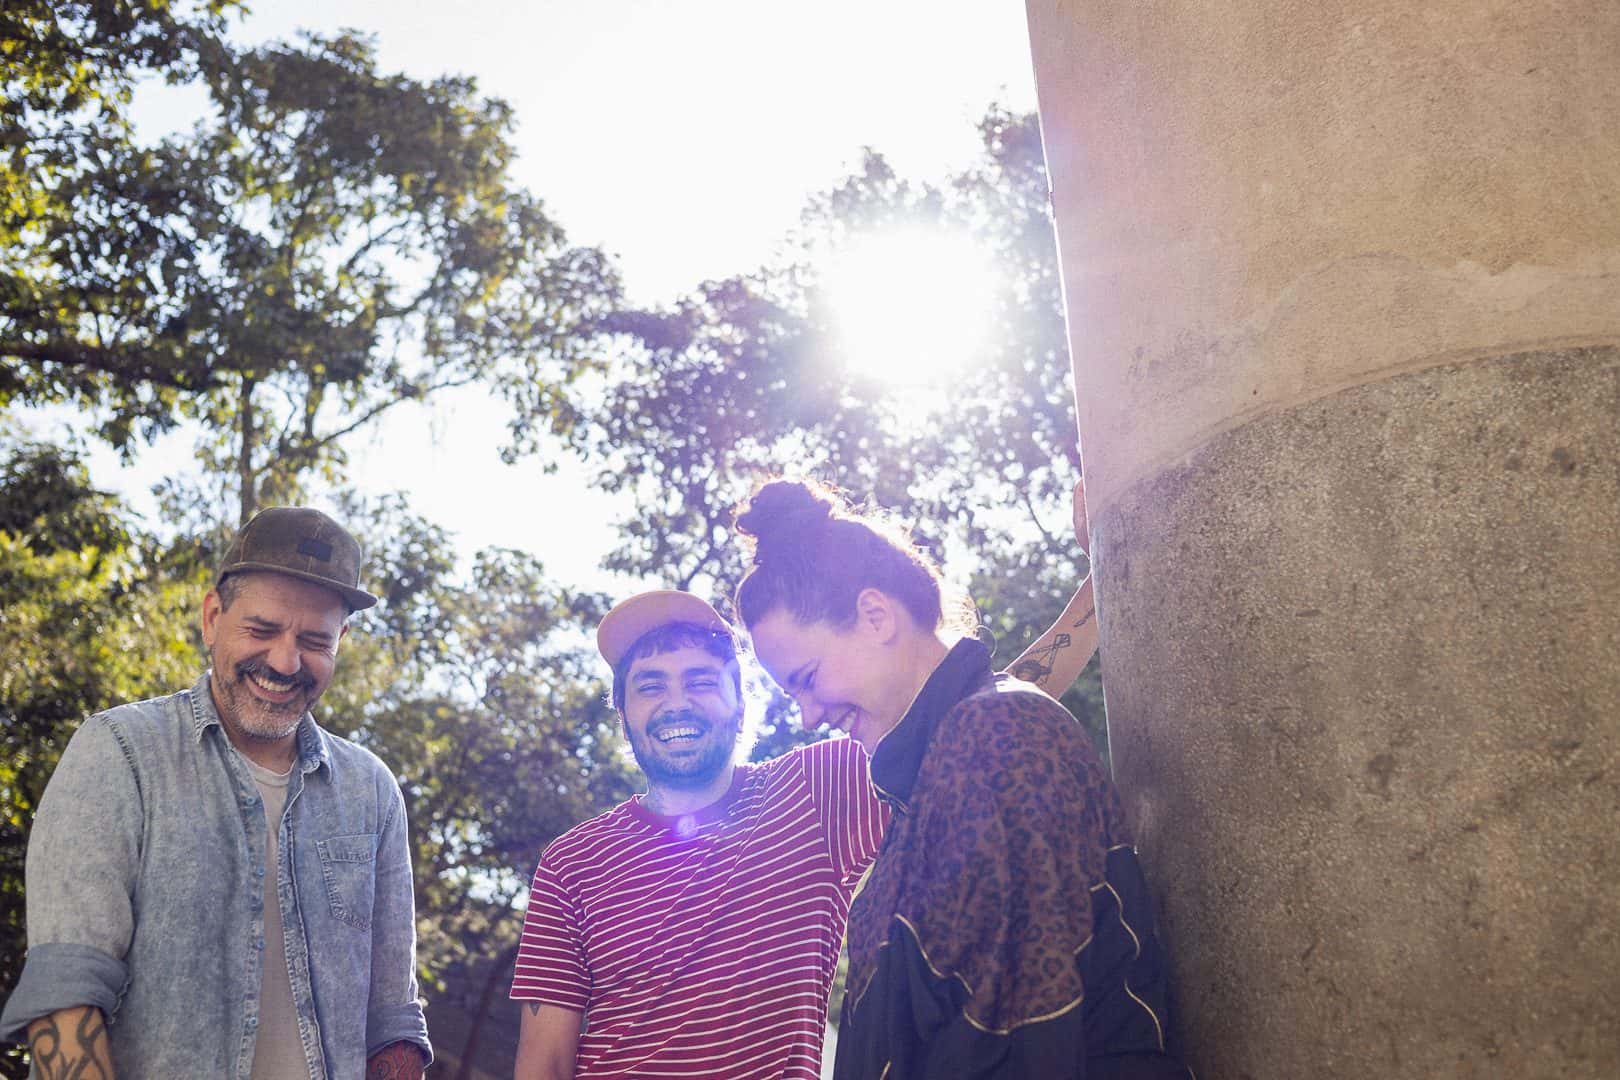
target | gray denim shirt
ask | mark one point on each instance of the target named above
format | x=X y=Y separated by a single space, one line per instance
x=146 y=892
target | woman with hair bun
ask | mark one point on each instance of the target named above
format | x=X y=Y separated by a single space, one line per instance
x=1005 y=929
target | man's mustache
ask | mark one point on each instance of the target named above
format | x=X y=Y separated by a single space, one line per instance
x=302 y=680
x=678 y=716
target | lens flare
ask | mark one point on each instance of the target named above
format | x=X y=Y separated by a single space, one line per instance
x=910 y=308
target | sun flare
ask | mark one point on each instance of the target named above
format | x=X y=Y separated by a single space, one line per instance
x=910 y=308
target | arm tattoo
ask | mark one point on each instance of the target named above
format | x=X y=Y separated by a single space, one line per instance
x=534 y=1008
x=396 y=1061
x=79 y=1055
x=1031 y=670
x=1087 y=617
x=1038 y=664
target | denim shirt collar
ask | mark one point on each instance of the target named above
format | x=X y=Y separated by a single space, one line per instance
x=312 y=750
x=899 y=756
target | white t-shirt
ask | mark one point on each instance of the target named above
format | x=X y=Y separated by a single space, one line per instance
x=278 y=1054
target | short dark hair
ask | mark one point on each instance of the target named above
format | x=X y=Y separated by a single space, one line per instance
x=230 y=587
x=677 y=635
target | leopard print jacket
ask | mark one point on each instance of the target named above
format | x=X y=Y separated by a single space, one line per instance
x=980 y=915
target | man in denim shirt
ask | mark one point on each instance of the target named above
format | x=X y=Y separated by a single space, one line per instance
x=216 y=886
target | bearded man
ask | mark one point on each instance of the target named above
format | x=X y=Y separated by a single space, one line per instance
x=216 y=885
x=694 y=930
x=697 y=926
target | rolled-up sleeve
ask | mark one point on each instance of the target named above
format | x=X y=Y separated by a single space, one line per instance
x=394 y=1011
x=83 y=858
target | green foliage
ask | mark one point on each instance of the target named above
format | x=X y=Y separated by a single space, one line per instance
x=327 y=243
x=488 y=701
x=90 y=615
x=483 y=694
x=739 y=381
x=66 y=71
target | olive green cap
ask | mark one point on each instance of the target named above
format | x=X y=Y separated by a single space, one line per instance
x=301 y=542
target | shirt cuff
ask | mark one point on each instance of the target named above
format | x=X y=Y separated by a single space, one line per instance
x=398 y=1023
x=59 y=975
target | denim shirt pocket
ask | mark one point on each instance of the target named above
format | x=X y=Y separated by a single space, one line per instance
x=348 y=865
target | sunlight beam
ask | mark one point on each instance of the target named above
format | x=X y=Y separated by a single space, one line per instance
x=910 y=308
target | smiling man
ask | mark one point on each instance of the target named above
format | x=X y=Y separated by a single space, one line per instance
x=693 y=930
x=216 y=886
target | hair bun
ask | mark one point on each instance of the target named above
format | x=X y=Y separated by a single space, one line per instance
x=782 y=514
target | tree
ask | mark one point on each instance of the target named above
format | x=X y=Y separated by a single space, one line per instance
x=66 y=71
x=735 y=382
x=90 y=614
x=330 y=242
x=489 y=704
x=326 y=244
x=481 y=694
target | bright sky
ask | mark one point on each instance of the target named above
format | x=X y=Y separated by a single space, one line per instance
x=683 y=136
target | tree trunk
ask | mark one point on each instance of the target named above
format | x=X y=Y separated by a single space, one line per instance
x=244 y=457
x=497 y=975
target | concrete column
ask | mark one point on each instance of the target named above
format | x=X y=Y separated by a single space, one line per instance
x=1343 y=289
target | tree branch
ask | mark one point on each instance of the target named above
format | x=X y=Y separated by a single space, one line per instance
x=1029 y=504
x=124 y=365
x=371 y=241
x=307 y=452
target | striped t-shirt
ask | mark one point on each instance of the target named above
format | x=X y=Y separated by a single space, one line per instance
x=705 y=945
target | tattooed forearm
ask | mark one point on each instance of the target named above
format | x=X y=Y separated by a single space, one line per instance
x=1036 y=664
x=1057 y=657
x=534 y=1008
x=71 y=1044
x=396 y=1061
x=1032 y=671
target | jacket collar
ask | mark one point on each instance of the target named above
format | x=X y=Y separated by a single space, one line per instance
x=899 y=756
x=312 y=750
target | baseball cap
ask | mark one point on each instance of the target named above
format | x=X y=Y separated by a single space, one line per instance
x=630 y=619
x=301 y=542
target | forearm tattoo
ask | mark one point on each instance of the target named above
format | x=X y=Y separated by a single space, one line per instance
x=396 y=1061
x=1038 y=665
x=1090 y=614
x=80 y=1054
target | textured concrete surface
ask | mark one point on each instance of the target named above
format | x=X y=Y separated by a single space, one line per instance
x=1264 y=201
x=1343 y=288
x=1362 y=663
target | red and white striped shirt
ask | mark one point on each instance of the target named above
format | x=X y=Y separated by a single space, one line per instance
x=705 y=945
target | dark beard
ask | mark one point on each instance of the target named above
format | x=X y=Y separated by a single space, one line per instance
x=691 y=773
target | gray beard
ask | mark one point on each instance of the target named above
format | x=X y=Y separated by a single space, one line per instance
x=250 y=717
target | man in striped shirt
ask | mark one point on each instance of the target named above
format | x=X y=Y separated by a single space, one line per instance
x=693 y=931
